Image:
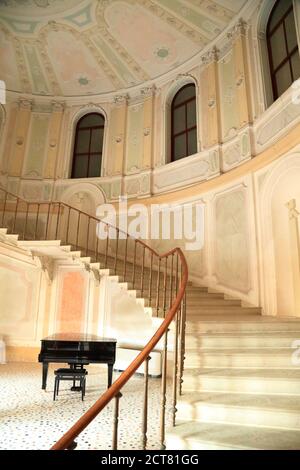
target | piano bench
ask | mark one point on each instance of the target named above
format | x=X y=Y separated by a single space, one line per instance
x=70 y=374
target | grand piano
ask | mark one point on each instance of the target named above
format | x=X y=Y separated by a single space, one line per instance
x=77 y=349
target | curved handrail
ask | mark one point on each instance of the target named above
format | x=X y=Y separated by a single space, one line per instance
x=67 y=440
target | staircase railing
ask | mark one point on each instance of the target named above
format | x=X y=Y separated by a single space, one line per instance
x=161 y=278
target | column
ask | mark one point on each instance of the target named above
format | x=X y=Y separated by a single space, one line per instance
x=210 y=100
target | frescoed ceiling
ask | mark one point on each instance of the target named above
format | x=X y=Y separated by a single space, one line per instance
x=83 y=47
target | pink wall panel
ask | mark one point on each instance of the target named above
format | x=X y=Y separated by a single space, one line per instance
x=71 y=310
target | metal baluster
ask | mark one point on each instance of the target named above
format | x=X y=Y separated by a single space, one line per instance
x=57 y=221
x=106 y=246
x=157 y=287
x=143 y=271
x=26 y=220
x=68 y=226
x=116 y=251
x=97 y=242
x=125 y=259
x=134 y=261
x=78 y=229
x=171 y=280
x=4 y=208
x=175 y=370
x=150 y=279
x=37 y=221
x=15 y=217
x=145 y=407
x=87 y=237
x=116 y=421
x=165 y=288
x=47 y=223
x=163 y=393
x=182 y=341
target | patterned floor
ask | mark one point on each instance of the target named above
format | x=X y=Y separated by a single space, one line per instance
x=30 y=419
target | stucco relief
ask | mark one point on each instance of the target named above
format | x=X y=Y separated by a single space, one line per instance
x=231 y=243
x=236 y=151
x=187 y=171
x=37 y=145
x=277 y=123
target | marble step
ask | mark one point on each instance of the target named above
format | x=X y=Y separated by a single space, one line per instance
x=244 y=323
x=242 y=340
x=250 y=380
x=200 y=302
x=220 y=310
x=247 y=357
x=215 y=436
x=282 y=411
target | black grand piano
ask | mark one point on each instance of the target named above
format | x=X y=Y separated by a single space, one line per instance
x=77 y=349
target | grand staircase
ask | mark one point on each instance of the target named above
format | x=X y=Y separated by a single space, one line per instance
x=241 y=389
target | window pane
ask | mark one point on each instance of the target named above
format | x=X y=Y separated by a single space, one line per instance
x=80 y=166
x=191 y=114
x=280 y=9
x=291 y=34
x=91 y=120
x=95 y=166
x=179 y=119
x=97 y=140
x=179 y=147
x=83 y=141
x=296 y=65
x=192 y=141
x=283 y=78
x=278 y=46
x=184 y=94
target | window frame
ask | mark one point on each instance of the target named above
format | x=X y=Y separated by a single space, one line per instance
x=88 y=154
x=289 y=55
x=186 y=130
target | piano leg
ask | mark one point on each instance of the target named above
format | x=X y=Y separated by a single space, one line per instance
x=45 y=373
x=110 y=373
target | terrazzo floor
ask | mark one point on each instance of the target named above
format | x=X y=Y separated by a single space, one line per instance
x=30 y=419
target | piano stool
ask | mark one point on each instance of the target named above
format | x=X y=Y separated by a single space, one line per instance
x=70 y=374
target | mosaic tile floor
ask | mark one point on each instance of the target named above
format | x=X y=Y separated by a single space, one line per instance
x=30 y=419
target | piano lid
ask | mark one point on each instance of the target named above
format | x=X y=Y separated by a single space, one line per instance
x=79 y=337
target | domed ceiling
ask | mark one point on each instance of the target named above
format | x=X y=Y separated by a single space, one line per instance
x=83 y=47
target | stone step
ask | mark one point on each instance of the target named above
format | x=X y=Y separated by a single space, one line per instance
x=244 y=323
x=192 y=311
x=215 y=436
x=247 y=357
x=199 y=302
x=243 y=380
x=282 y=411
x=242 y=340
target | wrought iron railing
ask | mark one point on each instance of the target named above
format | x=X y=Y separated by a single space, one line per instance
x=160 y=278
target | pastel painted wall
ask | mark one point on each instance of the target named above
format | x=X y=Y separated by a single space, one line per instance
x=71 y=304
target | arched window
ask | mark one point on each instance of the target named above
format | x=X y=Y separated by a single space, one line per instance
x=283 y=47
x=88 y=146
x=184 y=123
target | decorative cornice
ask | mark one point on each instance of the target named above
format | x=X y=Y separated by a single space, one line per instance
x=239 y=29
x=293 y=212
x=58 y=106
x=25 y=103
x=148 y=91
x=121 y=99
x=211 y=56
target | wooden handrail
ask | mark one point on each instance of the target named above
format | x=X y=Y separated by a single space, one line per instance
x=66 y=440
